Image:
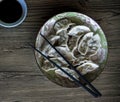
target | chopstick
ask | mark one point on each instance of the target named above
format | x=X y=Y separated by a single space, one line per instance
x=72 y=67
x=76 y=80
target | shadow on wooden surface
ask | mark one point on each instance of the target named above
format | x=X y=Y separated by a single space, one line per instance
x=20 y=78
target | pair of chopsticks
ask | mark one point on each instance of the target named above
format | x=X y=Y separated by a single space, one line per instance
x=92 y=90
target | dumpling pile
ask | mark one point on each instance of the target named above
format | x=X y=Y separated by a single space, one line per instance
x=80 y=40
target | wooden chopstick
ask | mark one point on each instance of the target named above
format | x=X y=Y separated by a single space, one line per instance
x=76 y=81
x=72 y=67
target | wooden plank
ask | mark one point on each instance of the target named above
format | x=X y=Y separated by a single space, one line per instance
x=35 y=85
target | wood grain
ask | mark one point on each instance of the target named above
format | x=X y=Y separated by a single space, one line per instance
x=20 y=78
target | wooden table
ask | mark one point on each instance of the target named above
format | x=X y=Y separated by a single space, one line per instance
x=20 y=78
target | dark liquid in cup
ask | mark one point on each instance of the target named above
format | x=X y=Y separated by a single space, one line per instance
x=10 y=11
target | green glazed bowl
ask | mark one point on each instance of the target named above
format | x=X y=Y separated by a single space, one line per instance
x=82 y=42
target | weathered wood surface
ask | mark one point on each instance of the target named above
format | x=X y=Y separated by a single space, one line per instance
x=20 y=78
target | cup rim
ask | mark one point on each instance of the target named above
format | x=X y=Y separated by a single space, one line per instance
x=20 y=20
